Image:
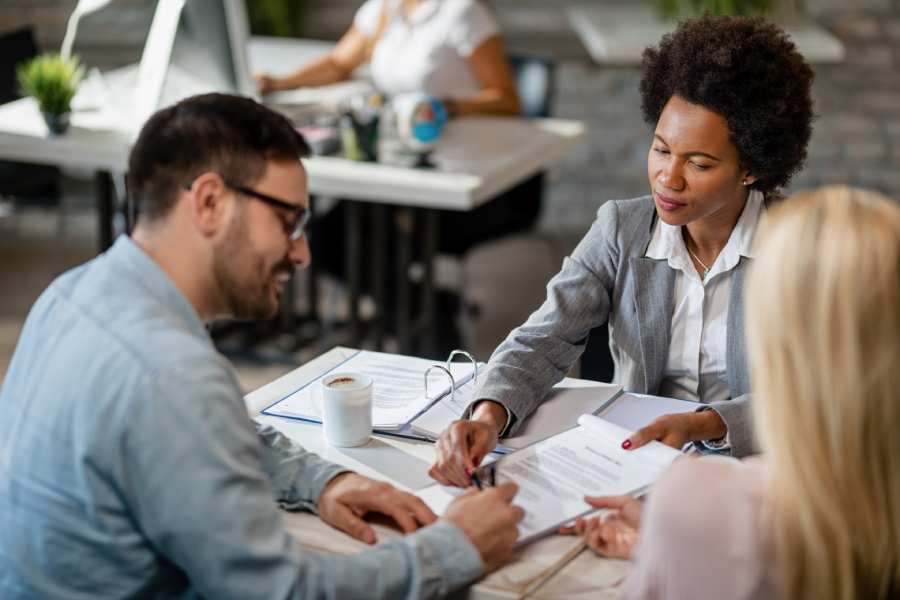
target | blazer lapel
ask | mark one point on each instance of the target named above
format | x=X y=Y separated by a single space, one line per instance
x=653 y=296
x=735 y=353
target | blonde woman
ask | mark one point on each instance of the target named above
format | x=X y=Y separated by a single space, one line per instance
x=819 y=516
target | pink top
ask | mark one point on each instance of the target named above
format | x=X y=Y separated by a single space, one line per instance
x=703 y=534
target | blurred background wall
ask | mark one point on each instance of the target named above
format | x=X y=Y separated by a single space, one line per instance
x=856 y=138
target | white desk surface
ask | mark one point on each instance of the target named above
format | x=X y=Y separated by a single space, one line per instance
x=586 y=577
x=617 y=35
x=477 y=158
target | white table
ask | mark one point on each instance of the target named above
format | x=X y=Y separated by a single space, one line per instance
x=617 y=35
x=477 y=158
x=586 y=577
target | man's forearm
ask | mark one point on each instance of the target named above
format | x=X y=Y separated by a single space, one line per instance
x=297 y=476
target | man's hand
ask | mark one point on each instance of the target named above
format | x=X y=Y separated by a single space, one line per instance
x=489 y=521
x=349 y=497
x=614 y=533
x=464 y=444
x=679 y=429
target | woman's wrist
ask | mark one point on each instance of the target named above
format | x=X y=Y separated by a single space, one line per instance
x=491 y=413
x=451 y=106
x=709 y=426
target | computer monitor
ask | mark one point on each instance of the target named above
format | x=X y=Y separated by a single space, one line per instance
x=193 y=47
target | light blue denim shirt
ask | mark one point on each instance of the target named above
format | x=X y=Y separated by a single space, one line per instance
x=129 y=466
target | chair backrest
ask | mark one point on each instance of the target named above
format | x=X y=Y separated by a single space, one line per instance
x=596 y=360
x=536 y=83
x=15 y=46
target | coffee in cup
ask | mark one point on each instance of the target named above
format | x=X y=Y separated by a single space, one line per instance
x=347 y=409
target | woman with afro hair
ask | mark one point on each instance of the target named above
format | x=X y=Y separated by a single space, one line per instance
x=728 y=100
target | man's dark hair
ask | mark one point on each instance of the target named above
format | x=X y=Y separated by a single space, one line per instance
x=748 y=71
x=231 y=135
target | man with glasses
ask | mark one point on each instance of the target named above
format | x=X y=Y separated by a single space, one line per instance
x=128 y=464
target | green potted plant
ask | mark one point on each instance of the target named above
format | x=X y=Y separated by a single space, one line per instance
x=52 y=80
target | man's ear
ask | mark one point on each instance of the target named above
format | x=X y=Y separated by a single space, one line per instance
x=209 y=203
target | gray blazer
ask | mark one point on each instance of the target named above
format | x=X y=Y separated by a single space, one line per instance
x=607 y=277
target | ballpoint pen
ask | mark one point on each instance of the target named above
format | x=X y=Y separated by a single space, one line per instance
x=476 y=480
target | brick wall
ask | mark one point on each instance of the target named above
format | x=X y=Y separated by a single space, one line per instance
x=856 y=138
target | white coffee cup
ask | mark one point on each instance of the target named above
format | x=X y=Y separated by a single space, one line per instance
x=347 y=409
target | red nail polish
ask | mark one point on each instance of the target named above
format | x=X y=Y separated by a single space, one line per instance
x=468 y=472
x=626 y=444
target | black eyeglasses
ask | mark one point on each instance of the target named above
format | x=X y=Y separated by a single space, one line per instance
x=295 y=228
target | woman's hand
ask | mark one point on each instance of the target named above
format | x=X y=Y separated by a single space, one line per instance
x=615 y=532
x=464 y=444
x=266 y=83
x=679 y=429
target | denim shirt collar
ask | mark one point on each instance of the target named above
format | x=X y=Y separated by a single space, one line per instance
x=126 y=255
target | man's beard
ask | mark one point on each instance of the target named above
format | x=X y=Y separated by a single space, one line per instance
x=243 y=281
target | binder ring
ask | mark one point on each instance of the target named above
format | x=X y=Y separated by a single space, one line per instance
x=465 y=354
x=443 y=369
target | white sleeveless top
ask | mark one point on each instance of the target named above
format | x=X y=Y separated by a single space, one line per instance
x=427 y=51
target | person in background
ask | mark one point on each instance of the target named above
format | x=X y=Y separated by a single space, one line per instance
x=818 y=515
x=128 y=464
x=451 y=50
x=729 y=100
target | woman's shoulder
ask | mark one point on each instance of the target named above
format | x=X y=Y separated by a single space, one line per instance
x=698 y=501
x=625 y=223
x=720 y=474
x=368 y=16
x=640 y=208
x=469 y=23
x=702 y=535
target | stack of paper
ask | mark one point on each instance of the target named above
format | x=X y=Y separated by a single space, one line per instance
x=554 y=475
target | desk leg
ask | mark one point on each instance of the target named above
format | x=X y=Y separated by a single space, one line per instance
x=354 y=268
x=105 y=194
x=404 y=226
x=427 y=320
x=379 y=270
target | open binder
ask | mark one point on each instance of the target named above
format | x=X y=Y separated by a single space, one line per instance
x=417 y=399
x=404 y=387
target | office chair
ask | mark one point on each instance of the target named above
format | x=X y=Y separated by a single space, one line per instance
x=535 y=79
x=515 y=211
x=596 y=360
x=26 y=183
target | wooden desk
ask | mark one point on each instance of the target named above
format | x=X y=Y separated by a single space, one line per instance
x=588 y=576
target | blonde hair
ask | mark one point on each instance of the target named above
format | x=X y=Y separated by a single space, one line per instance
x=823 y=330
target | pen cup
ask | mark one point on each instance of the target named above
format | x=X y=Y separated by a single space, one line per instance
x=347 y=409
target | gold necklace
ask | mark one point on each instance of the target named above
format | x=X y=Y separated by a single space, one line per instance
x=697 y=258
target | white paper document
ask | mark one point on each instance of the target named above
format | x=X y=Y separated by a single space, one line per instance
x=555 y=474
x=634 y=411
x=399 y=393
x=568 y=400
